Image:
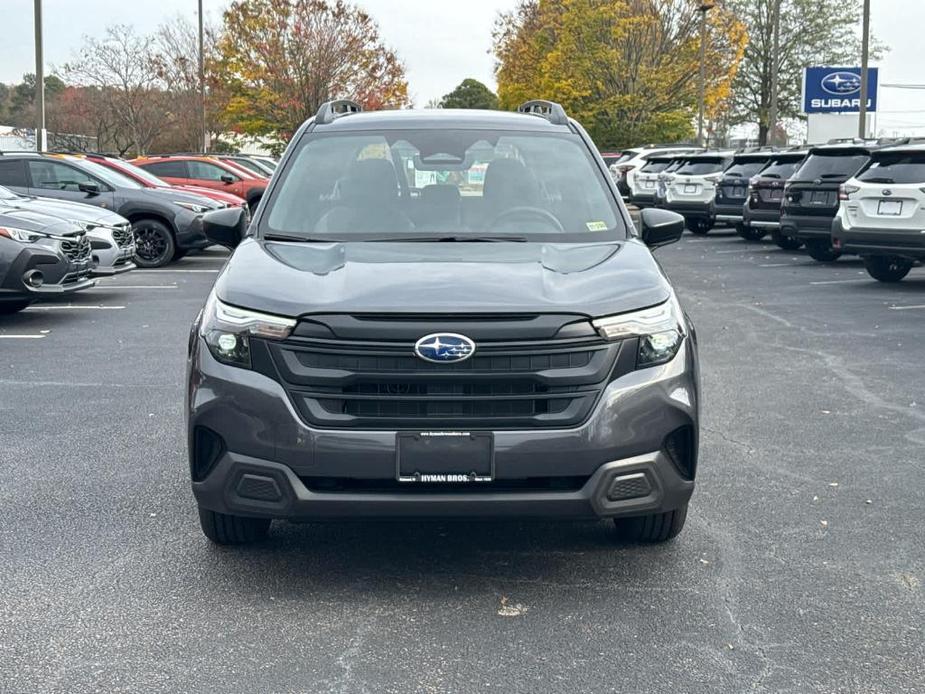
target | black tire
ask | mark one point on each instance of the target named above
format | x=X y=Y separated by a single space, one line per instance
x=180 y=253
x=700 y=227
x=788 y=243
x=656 y=527
x=822 y=251
x=750 y=233
x=154 y=244
x=887 y=268
x=225 y=529
x=9 y=307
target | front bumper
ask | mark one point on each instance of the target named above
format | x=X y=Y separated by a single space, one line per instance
x=868 y=241
x=264 y=438
x=109 y=258
x=806 y=227
x=60 y=276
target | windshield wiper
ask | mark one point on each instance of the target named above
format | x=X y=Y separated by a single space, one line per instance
x=454 y=239
x=297 y=239
x=834 y=175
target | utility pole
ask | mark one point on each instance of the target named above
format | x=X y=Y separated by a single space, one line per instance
x=775 y=62
x=40 y=140
x=865 y=46
x=203 y=135
x=703 y=9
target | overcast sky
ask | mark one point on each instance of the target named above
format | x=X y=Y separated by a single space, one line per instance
x=441 y=41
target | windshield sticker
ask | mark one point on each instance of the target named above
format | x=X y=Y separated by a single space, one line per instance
x=596 y=226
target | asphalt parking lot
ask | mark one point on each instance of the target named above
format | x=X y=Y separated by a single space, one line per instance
x=801 y=568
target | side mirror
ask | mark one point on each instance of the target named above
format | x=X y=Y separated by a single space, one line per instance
x=660 y=227
x=89 y=188
x=225 y=227
x=227 y=178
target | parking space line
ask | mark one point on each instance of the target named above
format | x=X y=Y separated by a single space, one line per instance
x=860 y=279
x=163 y=270
x=739 y=250
x=21 y=337
x=777 y=265
x=74 y=308
x=907 y=308
x=136 y=286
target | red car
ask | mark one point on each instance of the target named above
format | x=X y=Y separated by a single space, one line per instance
x=208 y=172
x=149 y=180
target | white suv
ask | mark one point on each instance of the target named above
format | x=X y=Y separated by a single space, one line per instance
x=623 y=170
x=882 y=212
x=693 y=188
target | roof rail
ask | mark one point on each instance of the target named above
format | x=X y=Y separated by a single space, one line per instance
x=549 y=110
x=332 y=110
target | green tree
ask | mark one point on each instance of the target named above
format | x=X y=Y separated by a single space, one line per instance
x=281 y=59
x=626 y=68
x=812 y=32
x=470 y=94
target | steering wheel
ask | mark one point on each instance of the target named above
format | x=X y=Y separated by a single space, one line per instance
x=525 y=212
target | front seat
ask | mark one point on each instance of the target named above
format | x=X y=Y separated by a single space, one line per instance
x=368 y=201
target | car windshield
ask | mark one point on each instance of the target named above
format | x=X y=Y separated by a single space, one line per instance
x=113 y=178
x=780 y=168
x=831 y=166
x=431 y=184
x=699 y=167
x=745 y=169
x=146 y=176
x=896 y=168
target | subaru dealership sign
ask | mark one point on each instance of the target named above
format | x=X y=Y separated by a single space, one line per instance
x=837 y=89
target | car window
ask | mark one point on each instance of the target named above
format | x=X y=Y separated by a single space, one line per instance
x=626 y=156
x=896 y=168
x=167 y=169
x=745 y=169
x=12 y=173
x=477 y=182
x=831 y=166
x=205 y=171
x=780 y=168
x=110 y=176
x=143 y=174
x=655 y=165
x=53 y=175
x=250 y=166
x=700 y=167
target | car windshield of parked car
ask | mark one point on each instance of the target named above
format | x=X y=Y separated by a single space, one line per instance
x=780 y=168
x=700 y=167
x=113 y=178
x=832 y=167
x=146 y=176
x=745 y=169
x=397 y=184
x=896 y=168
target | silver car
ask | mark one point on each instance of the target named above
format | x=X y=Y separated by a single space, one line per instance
x=110 y=237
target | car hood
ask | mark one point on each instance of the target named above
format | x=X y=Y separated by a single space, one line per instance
x=33 y=220
x=177 y=195
x=230 y=198
x=291 y=279
x=74 y=211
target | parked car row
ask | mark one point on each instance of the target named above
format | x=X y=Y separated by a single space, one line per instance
x=857 y=197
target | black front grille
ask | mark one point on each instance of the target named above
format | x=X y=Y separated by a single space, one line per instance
x=76 y=248
x=123 y=236
x=382 y=384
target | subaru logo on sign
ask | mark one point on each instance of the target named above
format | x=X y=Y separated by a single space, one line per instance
x=841 y=83
x=444 y=348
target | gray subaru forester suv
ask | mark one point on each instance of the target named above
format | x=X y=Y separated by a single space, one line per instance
x=442 y=314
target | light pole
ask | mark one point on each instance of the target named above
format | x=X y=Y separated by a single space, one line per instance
x=203 y=136
x=775 y=48
x=703 y=9
x=865 y=46
x=40 y=144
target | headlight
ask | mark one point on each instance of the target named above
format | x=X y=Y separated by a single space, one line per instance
x=20 y=235
x=192 y=207
x=660 y=329
x=227 y=329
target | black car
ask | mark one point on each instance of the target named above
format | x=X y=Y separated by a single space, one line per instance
x=166 y=223
x=761 y=213
x=811 y=196
x=40 y=256
x=442 y=313
x=732 y=189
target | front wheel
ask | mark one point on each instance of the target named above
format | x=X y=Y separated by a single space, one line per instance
x=8 y=307
x=885 y=268
x=225 y=529
x=655 y=527
x=154 y=244
x=750 y=233
x=788 y=243
x=822 y=251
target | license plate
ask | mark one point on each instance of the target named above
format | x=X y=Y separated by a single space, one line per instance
x=775 y=195
x=890 y=207
x=648 y=184
x=738 y=192
x=820 y=198
x=445 y=457
x=690 y=188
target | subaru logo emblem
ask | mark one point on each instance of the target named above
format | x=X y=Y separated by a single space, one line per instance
x=841 y=83
x=887 y=192
x=444 y=348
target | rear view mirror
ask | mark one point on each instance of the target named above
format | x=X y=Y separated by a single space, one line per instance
x=660 y=227
x=89 y=188
x=225 y=227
